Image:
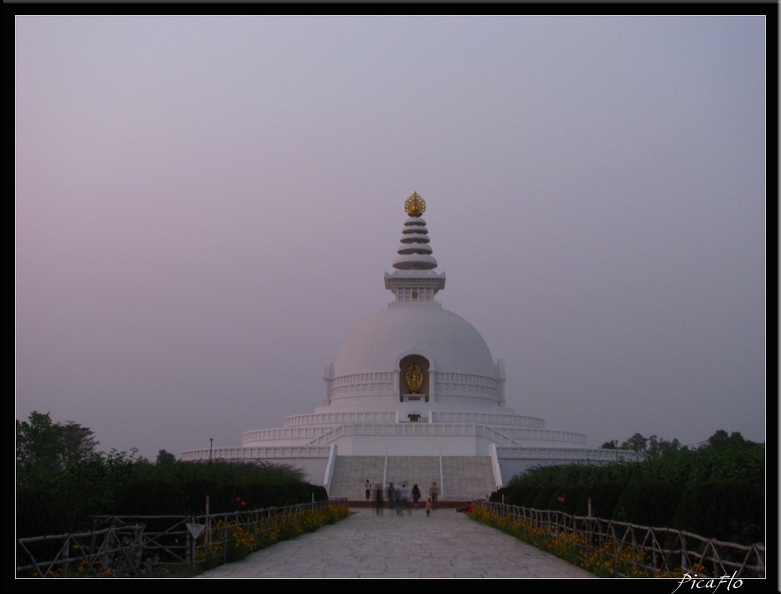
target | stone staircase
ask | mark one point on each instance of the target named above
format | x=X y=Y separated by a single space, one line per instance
x=467 y=477
x=461 y=478
x=351 y=472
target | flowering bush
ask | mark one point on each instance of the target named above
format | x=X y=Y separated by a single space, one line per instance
x=603 y=561
x=209 y=555
x=228 y=541
x=82 y=569
x=130 y=563
x=231 y=541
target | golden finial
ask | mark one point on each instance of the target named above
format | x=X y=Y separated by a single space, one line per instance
x=415 y=205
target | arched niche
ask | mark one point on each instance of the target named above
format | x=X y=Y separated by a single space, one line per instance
x=414 y=377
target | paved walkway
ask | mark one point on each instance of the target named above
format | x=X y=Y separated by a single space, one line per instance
x=445 y=545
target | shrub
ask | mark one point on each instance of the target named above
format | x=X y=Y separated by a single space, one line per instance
x=604 y=496
x=197 y=489
x=502 y=495
x=648 y=503
x=546 y=497
x=320 y=493
x=151 y=496
x=41 y=509
x=516 y=493
x=557 y=497
x=724 y=510
x=230 y=541
x=258 y=494
x=603 y=561
x=527 y=496
x=570 y=494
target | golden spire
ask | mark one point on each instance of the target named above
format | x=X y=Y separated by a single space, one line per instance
x=415 y=205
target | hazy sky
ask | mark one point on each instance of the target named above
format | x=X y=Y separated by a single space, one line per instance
x=206 y=206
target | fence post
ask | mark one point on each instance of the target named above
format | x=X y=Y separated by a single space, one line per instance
x=67 y=548
x=190 y=559
x=111 y=536
x=588 y=530
x=208 y=522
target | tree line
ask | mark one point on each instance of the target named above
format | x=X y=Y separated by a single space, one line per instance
x=716 y=489
x=62 y=480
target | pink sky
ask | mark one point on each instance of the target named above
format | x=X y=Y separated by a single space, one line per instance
x=206 y=206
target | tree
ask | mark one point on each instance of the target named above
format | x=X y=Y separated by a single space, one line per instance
x=610 y=445
x=165 y=459
x=722 y=439
x=78 y=442
x=637 y=443
x=38 y=442
x=661 y=447
x=43 y=444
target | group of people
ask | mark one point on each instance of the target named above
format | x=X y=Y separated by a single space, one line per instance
x=398 y=497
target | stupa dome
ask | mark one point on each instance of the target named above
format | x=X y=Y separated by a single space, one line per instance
x=383 y=339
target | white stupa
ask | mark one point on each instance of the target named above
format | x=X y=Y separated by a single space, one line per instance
x=413 y=395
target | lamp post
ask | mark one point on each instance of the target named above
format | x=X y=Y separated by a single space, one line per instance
x=211 y=443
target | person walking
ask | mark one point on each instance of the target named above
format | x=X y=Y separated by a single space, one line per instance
x=415 y=495
x=399 y=493
x=405 y=498
x=434 y=493
x=428 y=507
x=379 y=503
x=367 y=487
x=391 y=492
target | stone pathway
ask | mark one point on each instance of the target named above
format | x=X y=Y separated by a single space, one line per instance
x=445 y=545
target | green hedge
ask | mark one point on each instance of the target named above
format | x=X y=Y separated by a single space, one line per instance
x=648 y=503
x=716 y=490
x=150 y=496
x=604 y=496
x=724 y=510
x=62 y=501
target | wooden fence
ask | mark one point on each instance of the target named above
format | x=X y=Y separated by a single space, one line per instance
x=653 y=551
x=136 y=546
x=80 y=554
x=139 y=546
